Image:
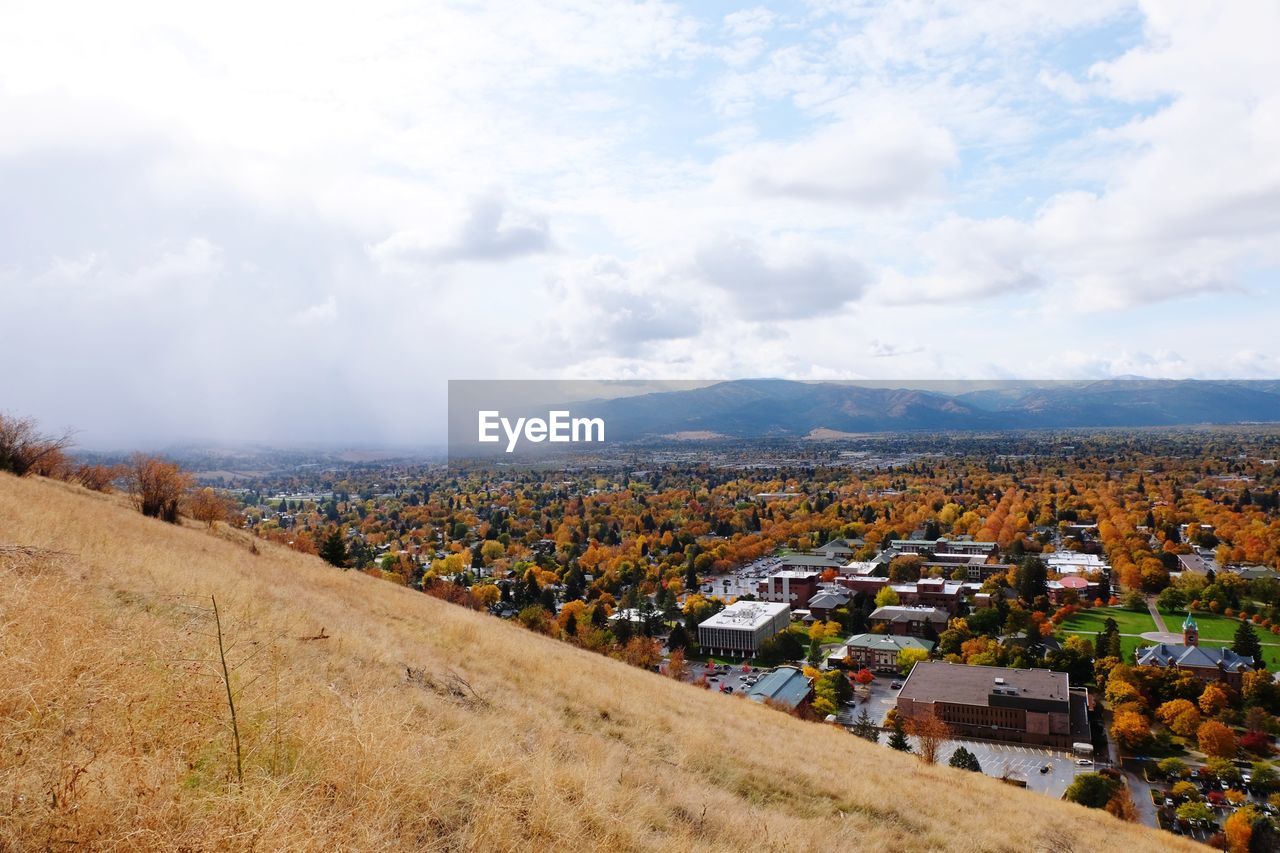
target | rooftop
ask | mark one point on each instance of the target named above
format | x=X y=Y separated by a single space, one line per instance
x=1203 y=657
x=810 y=560
x=907 y=613
x=887 y=642
x=790 y=574
x=933 y=681
x=785 y=685
x=746 y=614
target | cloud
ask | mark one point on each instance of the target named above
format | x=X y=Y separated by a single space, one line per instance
x=968 y=259
x=882 y=349
x=788 y=279
x=883 y=159
x=492 y=232
x=606 y=305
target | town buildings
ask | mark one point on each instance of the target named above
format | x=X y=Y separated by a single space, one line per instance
x=967 y=547
x=1028 y=706
x=908 y=621
x=740 y=628
x=790 y=586
x=876 y=652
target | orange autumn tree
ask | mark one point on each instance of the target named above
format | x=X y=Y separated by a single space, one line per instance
x=1180 y=715
x=208 y=506
x=157 y=486
x=1212 y=700
x=930 y=733
x=1216 y=740
x=1130 y=729
x=1238 y=829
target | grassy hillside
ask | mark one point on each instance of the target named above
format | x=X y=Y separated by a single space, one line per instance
x=374 y=717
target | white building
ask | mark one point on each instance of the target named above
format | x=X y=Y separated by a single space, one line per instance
x=1074 y=563
x=741 y=627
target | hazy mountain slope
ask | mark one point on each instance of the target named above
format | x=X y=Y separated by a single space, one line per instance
x=775 y=407
x=113 y=735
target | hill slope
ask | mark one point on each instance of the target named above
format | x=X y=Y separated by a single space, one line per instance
x=413 y=724
x=776 y=407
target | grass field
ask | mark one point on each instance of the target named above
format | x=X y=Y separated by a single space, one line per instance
x=1212 y=626
x=373 y=717
x=1090 y=622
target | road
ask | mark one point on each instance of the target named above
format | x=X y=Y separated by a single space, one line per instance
x=1141 y=792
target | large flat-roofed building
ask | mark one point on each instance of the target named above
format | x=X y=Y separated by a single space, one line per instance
x=741 y=627
x=945 y=546
x=1032 y=706
x=1074 y=563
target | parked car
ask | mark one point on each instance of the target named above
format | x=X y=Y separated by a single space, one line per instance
x=897 y=685
x=1084 y=762
x=1046 y=768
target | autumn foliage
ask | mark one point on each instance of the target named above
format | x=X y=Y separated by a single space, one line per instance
x=157 y=486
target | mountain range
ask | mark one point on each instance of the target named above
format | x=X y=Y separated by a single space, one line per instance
x=755 y=408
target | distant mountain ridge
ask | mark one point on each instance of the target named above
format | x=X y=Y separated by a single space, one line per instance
x=757 y=408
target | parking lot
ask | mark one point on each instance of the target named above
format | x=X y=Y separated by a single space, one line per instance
x=742 y=581
x=735 y=678
x=1023 y=762
x=880 y=697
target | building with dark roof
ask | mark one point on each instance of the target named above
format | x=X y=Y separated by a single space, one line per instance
x=1208 y=663
x=945 y=546
x=877 y=652
x=1030 y=706
x=838 y=549
x=826 y=601
x=786 y=686
x=909 y=621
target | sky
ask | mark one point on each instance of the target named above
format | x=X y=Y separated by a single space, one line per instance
x=296 y=221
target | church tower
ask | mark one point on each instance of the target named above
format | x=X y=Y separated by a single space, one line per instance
x=1190 y=633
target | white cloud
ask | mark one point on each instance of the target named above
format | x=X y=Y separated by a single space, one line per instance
x=789 y=278
x=603 y=304
x=882 y=159
x=491 y=231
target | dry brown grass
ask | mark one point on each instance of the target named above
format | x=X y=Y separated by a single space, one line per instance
x=412 y=724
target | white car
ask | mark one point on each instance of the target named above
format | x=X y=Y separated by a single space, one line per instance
x=1083 y=762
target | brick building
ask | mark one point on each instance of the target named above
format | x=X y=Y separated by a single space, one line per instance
x=1029 y=706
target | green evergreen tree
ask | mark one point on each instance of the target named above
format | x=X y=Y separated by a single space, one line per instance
x=963 y=759
x=898 y=735
x=334 y=549
x=1246 y=644
x=864 y=728
x=691 y=578
x=815 y=652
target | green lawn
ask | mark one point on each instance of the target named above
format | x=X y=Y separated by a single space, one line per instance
x=1211 y=625
x=1090 y=622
